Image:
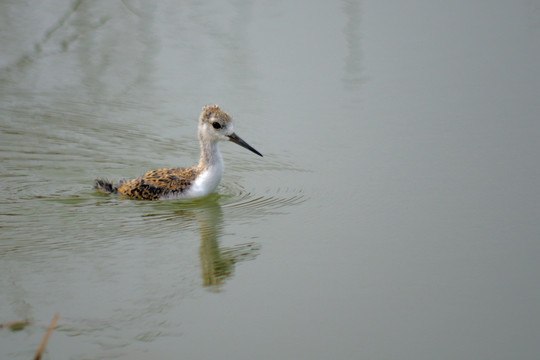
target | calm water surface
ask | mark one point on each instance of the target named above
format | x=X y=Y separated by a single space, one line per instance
x=394 y=214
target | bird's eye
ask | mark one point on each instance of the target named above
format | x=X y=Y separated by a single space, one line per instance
x=216 y=125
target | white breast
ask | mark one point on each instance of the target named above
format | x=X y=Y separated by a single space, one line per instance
x=206 y=183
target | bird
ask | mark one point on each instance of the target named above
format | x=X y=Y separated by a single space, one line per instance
x=214 y=125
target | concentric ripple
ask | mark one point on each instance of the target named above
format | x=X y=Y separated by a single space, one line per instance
x=235 y=198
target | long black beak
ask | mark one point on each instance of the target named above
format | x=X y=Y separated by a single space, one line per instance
x=236 y=139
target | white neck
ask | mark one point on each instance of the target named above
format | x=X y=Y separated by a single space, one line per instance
x=211 y=167
x=210 y=154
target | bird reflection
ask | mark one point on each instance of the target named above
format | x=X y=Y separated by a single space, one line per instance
x=217 y=263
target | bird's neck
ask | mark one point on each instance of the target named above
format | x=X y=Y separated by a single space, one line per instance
x=210 y=155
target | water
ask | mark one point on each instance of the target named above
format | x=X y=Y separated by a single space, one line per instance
x=394 y=214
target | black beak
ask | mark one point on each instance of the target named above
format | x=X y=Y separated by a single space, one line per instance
x=236 y=139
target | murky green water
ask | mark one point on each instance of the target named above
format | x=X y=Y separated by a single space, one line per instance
x=394 y=214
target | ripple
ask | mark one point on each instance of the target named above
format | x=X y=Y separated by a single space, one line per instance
x=232 y=201
x=237 y=199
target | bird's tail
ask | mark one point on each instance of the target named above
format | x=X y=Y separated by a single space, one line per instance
x=106 y=186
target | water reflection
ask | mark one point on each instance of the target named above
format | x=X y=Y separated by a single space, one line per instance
x=100 y=58
x=41 y=45
x=217 y=262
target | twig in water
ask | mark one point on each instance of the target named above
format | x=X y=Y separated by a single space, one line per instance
x=47 y=336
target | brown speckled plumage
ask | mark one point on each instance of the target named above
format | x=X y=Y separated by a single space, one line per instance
x=160 y=183
x=213 y=111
